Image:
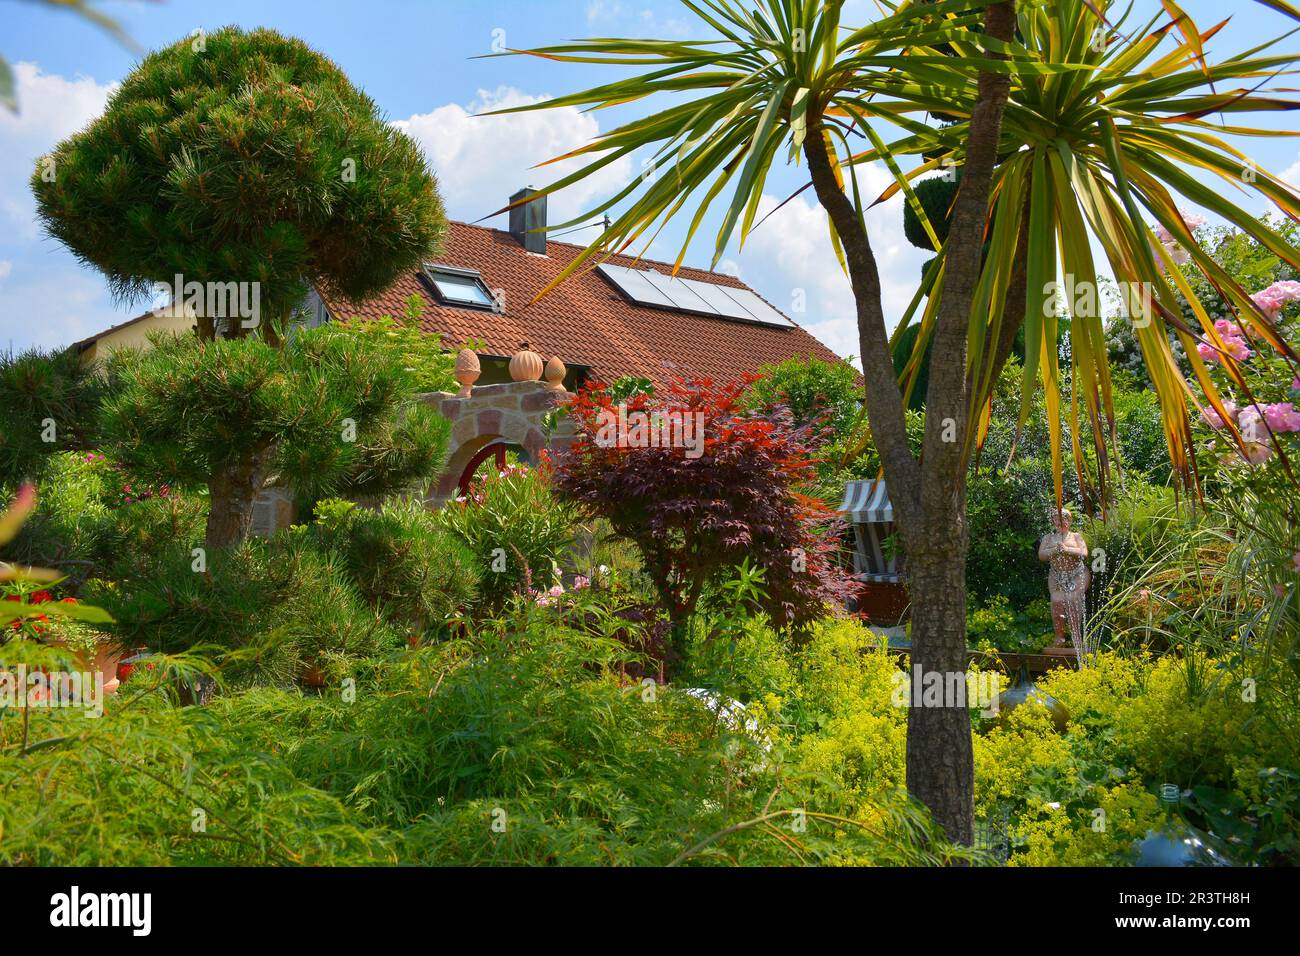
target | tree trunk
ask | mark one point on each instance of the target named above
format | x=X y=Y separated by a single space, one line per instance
x=940 y=755
x=232 y=492
x=930 y=496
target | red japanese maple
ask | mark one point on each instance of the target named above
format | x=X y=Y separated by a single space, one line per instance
x=696 y=508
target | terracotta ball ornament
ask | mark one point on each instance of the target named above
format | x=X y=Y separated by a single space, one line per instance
x=467 y=372
x=526 y=365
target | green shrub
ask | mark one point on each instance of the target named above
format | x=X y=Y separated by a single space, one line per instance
x=996 y=625
x=75 y=495
x=47 y=403
x=271 y=610
x=811 y=390
x=1137 y=723
x=518 y=532
x=517 y=745
x=154 y=785
x=405 y=563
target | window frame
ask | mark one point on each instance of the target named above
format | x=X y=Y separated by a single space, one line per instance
x=433 y=271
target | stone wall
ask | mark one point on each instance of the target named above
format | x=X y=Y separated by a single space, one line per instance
x=511 y=412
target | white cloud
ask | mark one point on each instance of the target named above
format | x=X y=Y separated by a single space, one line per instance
x=51 y=108
x=1291 y=175
x=46 y=297
x=481 y=161
x=791 y=255
x=617 y=17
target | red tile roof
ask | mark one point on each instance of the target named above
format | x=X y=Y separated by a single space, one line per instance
x=585 y=321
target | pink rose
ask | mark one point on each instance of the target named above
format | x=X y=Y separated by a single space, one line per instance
x=1236 y=347
x=1257 y=453
x=1212 y=417
x=1282 y=417
x=1275 y=298
x=1233 y=345
x=1248 y=420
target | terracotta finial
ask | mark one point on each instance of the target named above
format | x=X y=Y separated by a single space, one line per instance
x=467 y=372
x=554 y=374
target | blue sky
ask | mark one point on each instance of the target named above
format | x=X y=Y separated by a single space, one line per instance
x=416 y=59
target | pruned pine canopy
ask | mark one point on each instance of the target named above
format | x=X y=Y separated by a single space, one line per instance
x=1111 y=116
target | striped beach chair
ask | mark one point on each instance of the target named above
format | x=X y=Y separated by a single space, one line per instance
x=867 y=509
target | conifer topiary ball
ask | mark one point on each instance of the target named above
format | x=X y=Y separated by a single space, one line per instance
x=242 y=156
x=936 y=196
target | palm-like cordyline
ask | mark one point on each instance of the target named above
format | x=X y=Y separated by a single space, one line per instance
x=1092 y=152
x=788 y=77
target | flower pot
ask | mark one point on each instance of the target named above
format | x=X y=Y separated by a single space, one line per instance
x=104 y=662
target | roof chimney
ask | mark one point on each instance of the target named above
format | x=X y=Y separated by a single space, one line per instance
x=526 y=218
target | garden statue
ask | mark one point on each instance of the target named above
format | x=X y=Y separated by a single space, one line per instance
x=1068 y=578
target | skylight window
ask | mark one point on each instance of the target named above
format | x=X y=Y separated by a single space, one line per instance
x=459 y=287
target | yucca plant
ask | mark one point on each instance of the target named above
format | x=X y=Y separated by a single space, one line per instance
x=1093 y=153
x=786 y=77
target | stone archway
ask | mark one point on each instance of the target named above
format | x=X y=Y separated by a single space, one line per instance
x=512 y=412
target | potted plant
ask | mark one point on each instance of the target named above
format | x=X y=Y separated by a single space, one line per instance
x=95 y=650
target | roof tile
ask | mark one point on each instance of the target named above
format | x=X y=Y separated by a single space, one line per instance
x=585 y=320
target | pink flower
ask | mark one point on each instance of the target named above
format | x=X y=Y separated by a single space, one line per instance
x=550 y=597
x=1282 y=417
x=1248 y=421
x=580 y=582
x=1212 y=417
x=1233 y=344
x=1275 y=298
x=1295 y=559
x=1257 y=452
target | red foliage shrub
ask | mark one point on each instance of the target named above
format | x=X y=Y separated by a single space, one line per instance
x=700 y=487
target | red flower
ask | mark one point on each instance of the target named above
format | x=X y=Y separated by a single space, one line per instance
x=12 y=597
x=42 y=597
x=68 y=601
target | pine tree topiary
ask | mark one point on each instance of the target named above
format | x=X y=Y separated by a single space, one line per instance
x=241 y=157
x=325 y=414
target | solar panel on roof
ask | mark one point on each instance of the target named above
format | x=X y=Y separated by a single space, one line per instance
x=722 y=303
x=753 y=303
x=634 y=285
x=662 y=291
x=679 y=291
